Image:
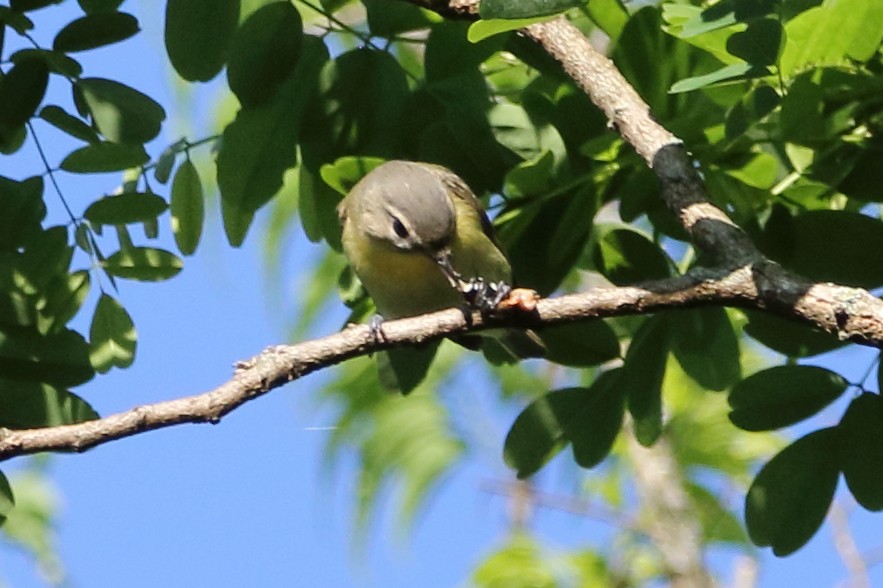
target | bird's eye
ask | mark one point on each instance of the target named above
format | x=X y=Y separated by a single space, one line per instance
x=399 y=228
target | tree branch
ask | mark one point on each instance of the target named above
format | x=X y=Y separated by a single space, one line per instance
x=850 y=312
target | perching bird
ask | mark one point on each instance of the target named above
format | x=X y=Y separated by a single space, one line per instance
x=417 y=237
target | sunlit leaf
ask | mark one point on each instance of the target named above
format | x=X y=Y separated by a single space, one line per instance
x=104 y=157
x=122 y=114
x=112 y=337
x=143 y=263
x=126 y=208
x=188 y=208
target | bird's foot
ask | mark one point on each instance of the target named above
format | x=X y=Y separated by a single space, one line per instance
x=375 y=328
x=485 y=296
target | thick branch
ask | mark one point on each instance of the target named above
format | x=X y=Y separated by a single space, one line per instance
x=849 y=312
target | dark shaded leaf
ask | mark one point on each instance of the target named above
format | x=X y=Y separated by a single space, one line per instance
x=789 y=498
x=95 y=30
x=28 y=5
x=146 y=264
x=67 y=123
x=403 y=368
x=126 y=208
x=29 y=405
x=642 y=376
x=93 y=6
x=23 y=210
x=104 y=157
x=624 y=257
x=537 y=435
x=783 y=395
x=524 y=8
x=597 y=421
x=21 y=91
x=861 y=450
x=387 y=19
x=60 y=359
x=56 y=61
x=197 y=35
x=188 y=208
x=7 y=500
x=260 y=145
x=46 y=255
x=706 y=346
x=263 y=53
x=112 y=337
x=122 y=114
x=759 y=44
x=789 y=337
x=821 y=246
x=581 y=344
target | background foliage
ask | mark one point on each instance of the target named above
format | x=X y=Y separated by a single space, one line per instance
x=779 y=102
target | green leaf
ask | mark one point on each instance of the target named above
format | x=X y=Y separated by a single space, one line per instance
x=484 y=28
x=345 y=172
x=624 y=257
x=46 y=255
x=861 y=450
x=122 y=114
x=146 y=264
x=759 y=44
x=403 y=368
x=706 y=347
x=7 y=500
x=642 y=377
x=23 y=210
x=95 y=30
x=789 y=498
x=789 y=337
x=833 y=33
x=388 y=19
x=718 y=523
x=56 y=61
x=104 y=157
x=197 y=36
x=93 y=6
x=597 y=420
x=63 y=299
x=60 y=359
x=126 y=208
x=260 y=145
x=609 y=15
x=29 y=405
x=188 y=208
x=263 y=53
x=21 y=91
x=112 y=337
x=581 y=344
x=165 y=164
x=524 y=8
x=67 y=123
x=784 y=395
x=537 y=434
x=821 y=246
x=735 y=72
x=29 y=5
x=16 y=20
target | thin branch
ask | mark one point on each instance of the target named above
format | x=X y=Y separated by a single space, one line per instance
x=852 y=313
x=846 y=547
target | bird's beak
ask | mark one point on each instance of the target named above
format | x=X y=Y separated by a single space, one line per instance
x=443 y=258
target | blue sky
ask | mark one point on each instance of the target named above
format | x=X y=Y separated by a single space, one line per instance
x=245 y=502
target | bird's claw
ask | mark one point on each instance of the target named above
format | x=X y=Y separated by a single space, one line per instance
x=375 y=328
x=485 y=296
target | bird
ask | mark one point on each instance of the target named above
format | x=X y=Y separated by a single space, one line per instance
x=419 y=240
